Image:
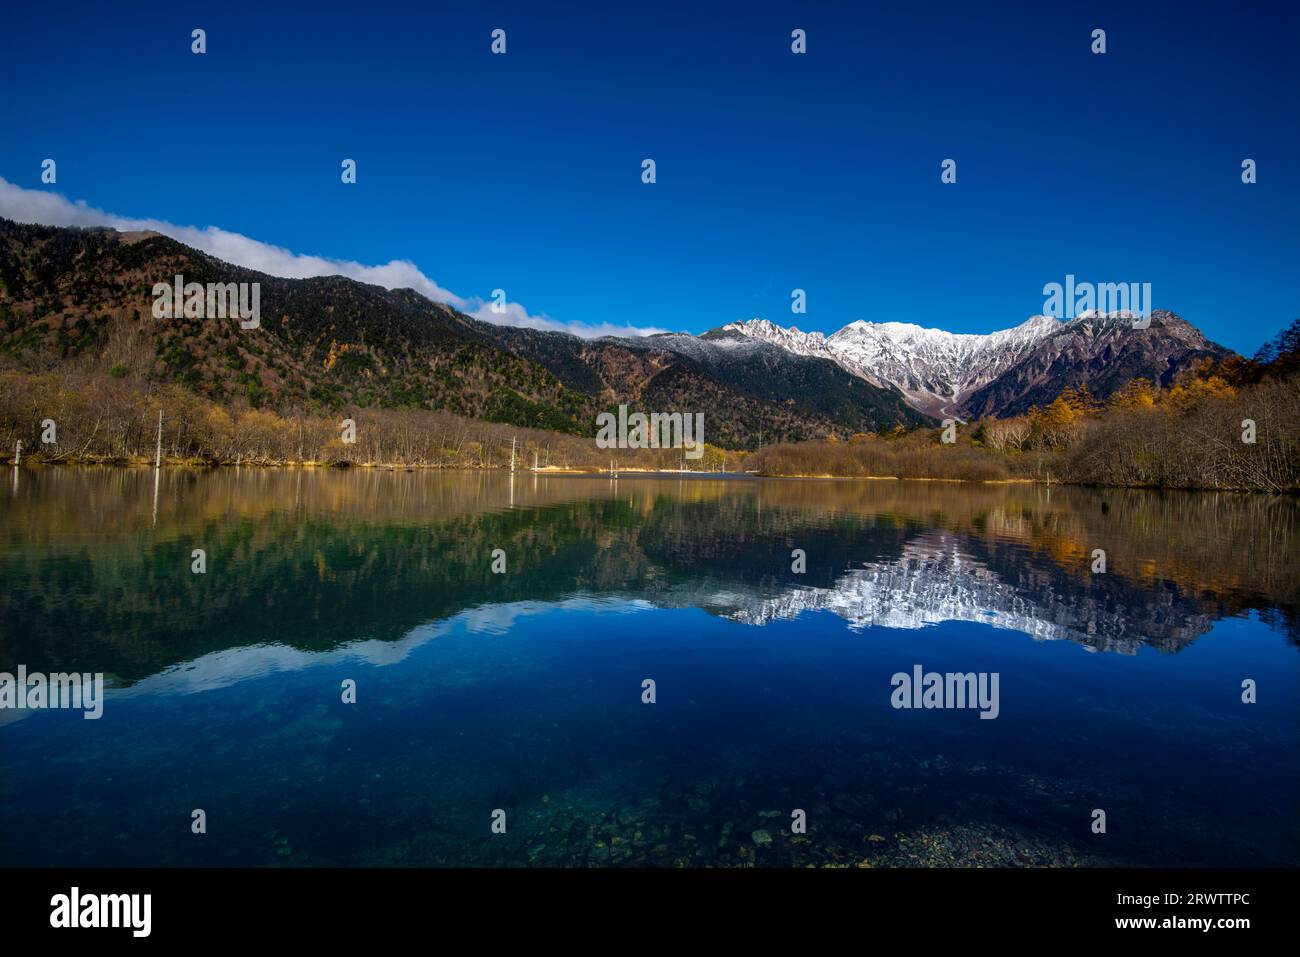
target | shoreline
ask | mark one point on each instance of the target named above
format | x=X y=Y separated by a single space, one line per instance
x=202 y=465
x=206 y=465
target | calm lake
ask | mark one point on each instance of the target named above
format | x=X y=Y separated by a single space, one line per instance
x=523 y=691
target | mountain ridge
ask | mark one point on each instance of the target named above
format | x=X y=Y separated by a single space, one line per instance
x=966 y=375
x=332 y=341
x=83 y=296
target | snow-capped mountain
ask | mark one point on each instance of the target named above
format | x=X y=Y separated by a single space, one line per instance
x=792 y=339
x=933 y=369
x=940 y=372
x=936 y=370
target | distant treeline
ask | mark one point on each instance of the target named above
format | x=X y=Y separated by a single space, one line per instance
x=92 y=417
x=1228 y=425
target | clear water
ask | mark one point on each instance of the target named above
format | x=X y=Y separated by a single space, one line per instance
x=522 y=691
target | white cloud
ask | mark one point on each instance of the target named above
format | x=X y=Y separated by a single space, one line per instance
x=51 y=209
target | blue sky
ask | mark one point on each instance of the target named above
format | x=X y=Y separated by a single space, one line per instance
x=775 y=171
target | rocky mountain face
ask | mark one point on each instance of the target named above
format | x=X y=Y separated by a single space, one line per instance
x=1103 y=353
x=1005 y=372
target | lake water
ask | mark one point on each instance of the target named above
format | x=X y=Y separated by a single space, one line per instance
x=522 y=692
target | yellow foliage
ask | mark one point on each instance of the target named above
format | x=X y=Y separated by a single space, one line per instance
x=220 y=424
x=1138 y=394
x=1197 y=389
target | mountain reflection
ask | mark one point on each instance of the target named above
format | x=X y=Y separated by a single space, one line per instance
x=942 y=577
x=96 y=569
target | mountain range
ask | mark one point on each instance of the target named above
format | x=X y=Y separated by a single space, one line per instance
x=84 y=297
x=1002 y=373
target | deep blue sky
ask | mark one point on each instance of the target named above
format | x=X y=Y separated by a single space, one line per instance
x=775 y=171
